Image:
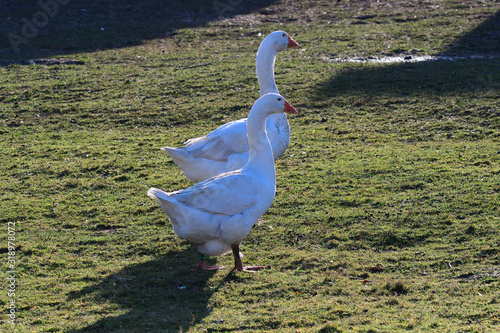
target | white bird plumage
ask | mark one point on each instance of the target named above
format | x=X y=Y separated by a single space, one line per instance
x=218 y=213
x=226 y=148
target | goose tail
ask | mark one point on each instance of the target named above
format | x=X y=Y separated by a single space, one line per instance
x=158 y=195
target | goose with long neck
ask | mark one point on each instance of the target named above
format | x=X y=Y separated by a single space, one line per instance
x=218 y=213
x=226 y=148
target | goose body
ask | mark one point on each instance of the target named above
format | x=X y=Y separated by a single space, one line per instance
x=218 y=213
x=226 y=148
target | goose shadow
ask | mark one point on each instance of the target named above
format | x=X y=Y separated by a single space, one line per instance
x=33 y=29
x=165 y=294
x=471 y=63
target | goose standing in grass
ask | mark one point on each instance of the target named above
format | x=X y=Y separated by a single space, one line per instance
x=218 y=213
x=226 y=148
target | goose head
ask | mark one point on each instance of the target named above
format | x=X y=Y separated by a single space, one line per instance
x=274 y=103
x=280 y=41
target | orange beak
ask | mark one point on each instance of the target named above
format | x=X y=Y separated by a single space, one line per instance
x=289 y=108
x=292 y=43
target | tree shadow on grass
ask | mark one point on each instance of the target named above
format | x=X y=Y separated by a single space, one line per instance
x=469 y=64
x=32 y=29
x=166 y=294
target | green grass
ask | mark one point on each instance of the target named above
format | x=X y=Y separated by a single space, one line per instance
x=391 y=166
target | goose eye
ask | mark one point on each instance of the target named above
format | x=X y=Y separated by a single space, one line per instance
x=279 y=99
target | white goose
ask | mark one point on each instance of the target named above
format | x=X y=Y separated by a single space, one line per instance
x=217 y=214
x=226 y=148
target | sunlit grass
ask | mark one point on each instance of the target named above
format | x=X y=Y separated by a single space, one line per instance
x=386 y=215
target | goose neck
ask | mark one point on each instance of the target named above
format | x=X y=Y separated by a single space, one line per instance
x=265 y=69
x=260 y=150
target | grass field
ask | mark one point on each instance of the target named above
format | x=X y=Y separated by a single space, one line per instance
x=386 y=217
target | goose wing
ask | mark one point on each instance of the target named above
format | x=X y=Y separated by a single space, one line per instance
x=229 y=194
x=219 y=144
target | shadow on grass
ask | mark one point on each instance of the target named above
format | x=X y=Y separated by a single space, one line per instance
x=33 y=29
x=474 y=67
x=167 y=294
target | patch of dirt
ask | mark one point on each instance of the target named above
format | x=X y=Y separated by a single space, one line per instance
x=47 y=62
x=478 y=275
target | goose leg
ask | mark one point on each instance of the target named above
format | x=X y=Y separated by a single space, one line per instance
x=202 y=264
x=238 y=266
